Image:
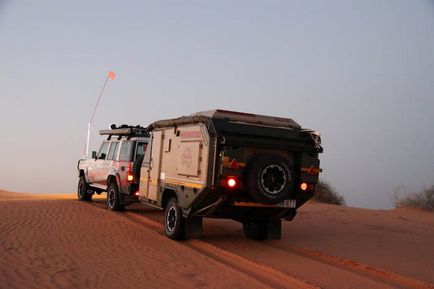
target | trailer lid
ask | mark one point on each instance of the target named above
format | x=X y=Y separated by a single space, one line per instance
x=249 y=118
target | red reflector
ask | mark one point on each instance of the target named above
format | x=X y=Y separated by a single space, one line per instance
x=311 y=170
x=231 y=182
x=233 y=164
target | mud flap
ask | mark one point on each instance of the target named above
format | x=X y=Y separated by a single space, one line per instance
x=126 y=200
x=274 y=229
x=290 y=215
x=122 y=200
x=193 y=227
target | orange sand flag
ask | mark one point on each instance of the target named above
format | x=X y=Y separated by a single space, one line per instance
x=112 y=75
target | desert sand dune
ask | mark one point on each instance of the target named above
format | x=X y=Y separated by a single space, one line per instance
x=54 y=241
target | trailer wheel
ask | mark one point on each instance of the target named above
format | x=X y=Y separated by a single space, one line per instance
x=174 y=222
x=269 y=179
x=256 y=230
x=113 y=198
x=83 y=190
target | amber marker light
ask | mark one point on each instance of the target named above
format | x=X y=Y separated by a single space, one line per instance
x=130 y=177
x=303 y=186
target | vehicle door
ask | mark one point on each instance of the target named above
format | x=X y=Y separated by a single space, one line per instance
x=95 y=169
x=110 y=165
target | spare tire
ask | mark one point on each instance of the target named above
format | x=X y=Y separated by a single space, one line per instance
x=269 y=179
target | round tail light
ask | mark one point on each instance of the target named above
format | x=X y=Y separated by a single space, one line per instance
x=231 y=182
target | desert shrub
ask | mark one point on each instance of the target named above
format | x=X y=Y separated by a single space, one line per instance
x=422 y=200
x=326 y=193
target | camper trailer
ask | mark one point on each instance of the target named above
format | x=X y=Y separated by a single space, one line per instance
x=255 y=169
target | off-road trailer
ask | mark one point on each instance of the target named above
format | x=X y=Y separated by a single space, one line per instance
x=252 y=168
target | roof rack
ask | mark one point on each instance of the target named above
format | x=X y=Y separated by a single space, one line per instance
x=126 y=131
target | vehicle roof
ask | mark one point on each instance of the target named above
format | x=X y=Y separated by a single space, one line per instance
x=233 y=116
x=249 y=118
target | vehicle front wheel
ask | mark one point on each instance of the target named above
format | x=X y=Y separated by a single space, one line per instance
x=113 y=198
x=174 y=222
x=83 y=190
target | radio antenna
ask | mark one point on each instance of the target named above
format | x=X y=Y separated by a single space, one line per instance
x=111 y=75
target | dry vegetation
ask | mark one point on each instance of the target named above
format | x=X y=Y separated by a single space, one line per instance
x=326 y=193
x=422 y=200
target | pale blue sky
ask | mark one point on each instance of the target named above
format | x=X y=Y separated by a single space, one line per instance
x=361 y=72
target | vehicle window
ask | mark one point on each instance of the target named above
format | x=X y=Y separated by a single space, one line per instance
x=140 y=149
x=126 y=150
x=147 y=158
x=112 y=151
x=103 y=151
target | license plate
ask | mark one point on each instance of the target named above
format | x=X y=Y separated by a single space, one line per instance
x=288 y=204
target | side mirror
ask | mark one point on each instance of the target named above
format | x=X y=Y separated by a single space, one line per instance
x=94 y=154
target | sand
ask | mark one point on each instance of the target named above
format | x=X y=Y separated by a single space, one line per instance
x=55 y=241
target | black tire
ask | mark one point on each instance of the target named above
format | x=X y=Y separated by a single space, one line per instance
x=256 y=230
x=174 y=222
x=113 y=198
x=83 y=190
x=269 y=179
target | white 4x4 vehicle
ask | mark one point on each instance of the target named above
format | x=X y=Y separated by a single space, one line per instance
x=115 y=168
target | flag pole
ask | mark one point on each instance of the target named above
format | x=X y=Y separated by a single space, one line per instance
x=110 y=75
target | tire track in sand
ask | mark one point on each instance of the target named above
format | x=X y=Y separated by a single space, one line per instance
x=358 y=267
x=279 y=279
x=69 y=244
x=267 y=275
x=263 y=273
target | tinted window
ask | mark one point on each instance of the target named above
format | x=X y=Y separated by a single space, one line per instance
x=103 y=151
x=126 y=150
x=112 y=151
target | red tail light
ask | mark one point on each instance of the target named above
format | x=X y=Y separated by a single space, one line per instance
x=130 y=176
x=307 y=187
x=231 y=182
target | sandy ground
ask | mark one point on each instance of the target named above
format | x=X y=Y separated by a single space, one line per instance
x=55 y=241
